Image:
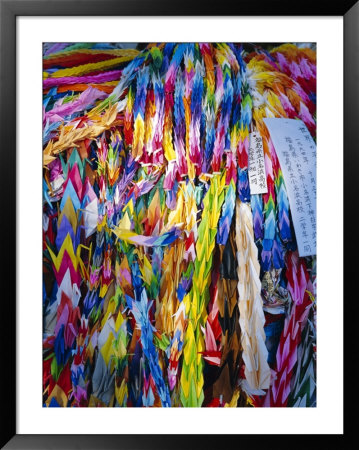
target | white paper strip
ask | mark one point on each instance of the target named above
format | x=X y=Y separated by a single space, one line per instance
x=297 y=153
x=256 y=171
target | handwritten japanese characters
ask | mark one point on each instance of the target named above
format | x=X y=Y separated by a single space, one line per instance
x=256 y=169
x=296 y=152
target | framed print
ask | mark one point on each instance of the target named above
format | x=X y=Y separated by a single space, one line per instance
x=191 y=172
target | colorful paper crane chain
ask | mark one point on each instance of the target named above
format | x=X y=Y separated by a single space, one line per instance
x=160 y=267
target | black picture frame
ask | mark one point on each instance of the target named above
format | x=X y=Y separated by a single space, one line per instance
x=9 y=10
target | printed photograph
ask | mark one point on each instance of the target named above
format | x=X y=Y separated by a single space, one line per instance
x=179 y=224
